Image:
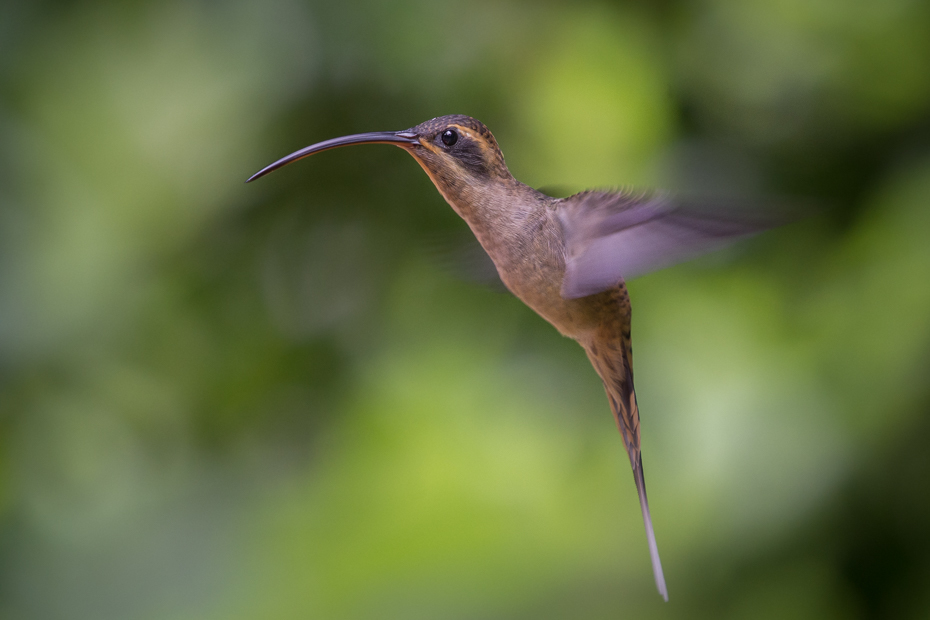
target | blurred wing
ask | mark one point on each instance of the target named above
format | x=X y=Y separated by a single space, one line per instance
x=611 y=237
x=459 y=254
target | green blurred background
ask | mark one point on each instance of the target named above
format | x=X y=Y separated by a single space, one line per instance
x=287 y=400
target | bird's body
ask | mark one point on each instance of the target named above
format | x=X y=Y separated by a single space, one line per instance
x=520 y=229
x=564 y=258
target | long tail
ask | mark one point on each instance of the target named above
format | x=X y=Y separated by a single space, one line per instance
x=627 y=417
x=610 y=354
x=650 y=534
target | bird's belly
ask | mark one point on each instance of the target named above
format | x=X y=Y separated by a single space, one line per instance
x=533 y=269
x=574 y=318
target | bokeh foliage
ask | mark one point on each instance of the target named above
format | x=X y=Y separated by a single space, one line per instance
x=283 y=400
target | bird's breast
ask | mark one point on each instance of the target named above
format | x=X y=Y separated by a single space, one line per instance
x=531 y=264
x=519 y=230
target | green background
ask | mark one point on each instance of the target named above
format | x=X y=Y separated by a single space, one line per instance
x=290 y=399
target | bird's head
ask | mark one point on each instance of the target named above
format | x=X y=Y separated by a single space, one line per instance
x=455 y=149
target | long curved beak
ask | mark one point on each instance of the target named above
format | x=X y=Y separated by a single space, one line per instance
x=400 y=138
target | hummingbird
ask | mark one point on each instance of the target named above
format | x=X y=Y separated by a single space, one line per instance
x=566 y=258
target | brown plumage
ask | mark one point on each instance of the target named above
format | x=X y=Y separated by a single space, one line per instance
x=565 y=258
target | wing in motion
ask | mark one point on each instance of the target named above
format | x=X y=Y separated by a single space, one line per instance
x=612 y=237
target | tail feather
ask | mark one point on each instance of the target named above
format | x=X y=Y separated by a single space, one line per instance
x=650 y=534
x=610 y=354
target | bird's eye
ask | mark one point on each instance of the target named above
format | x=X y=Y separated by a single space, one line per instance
x=449 y=137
